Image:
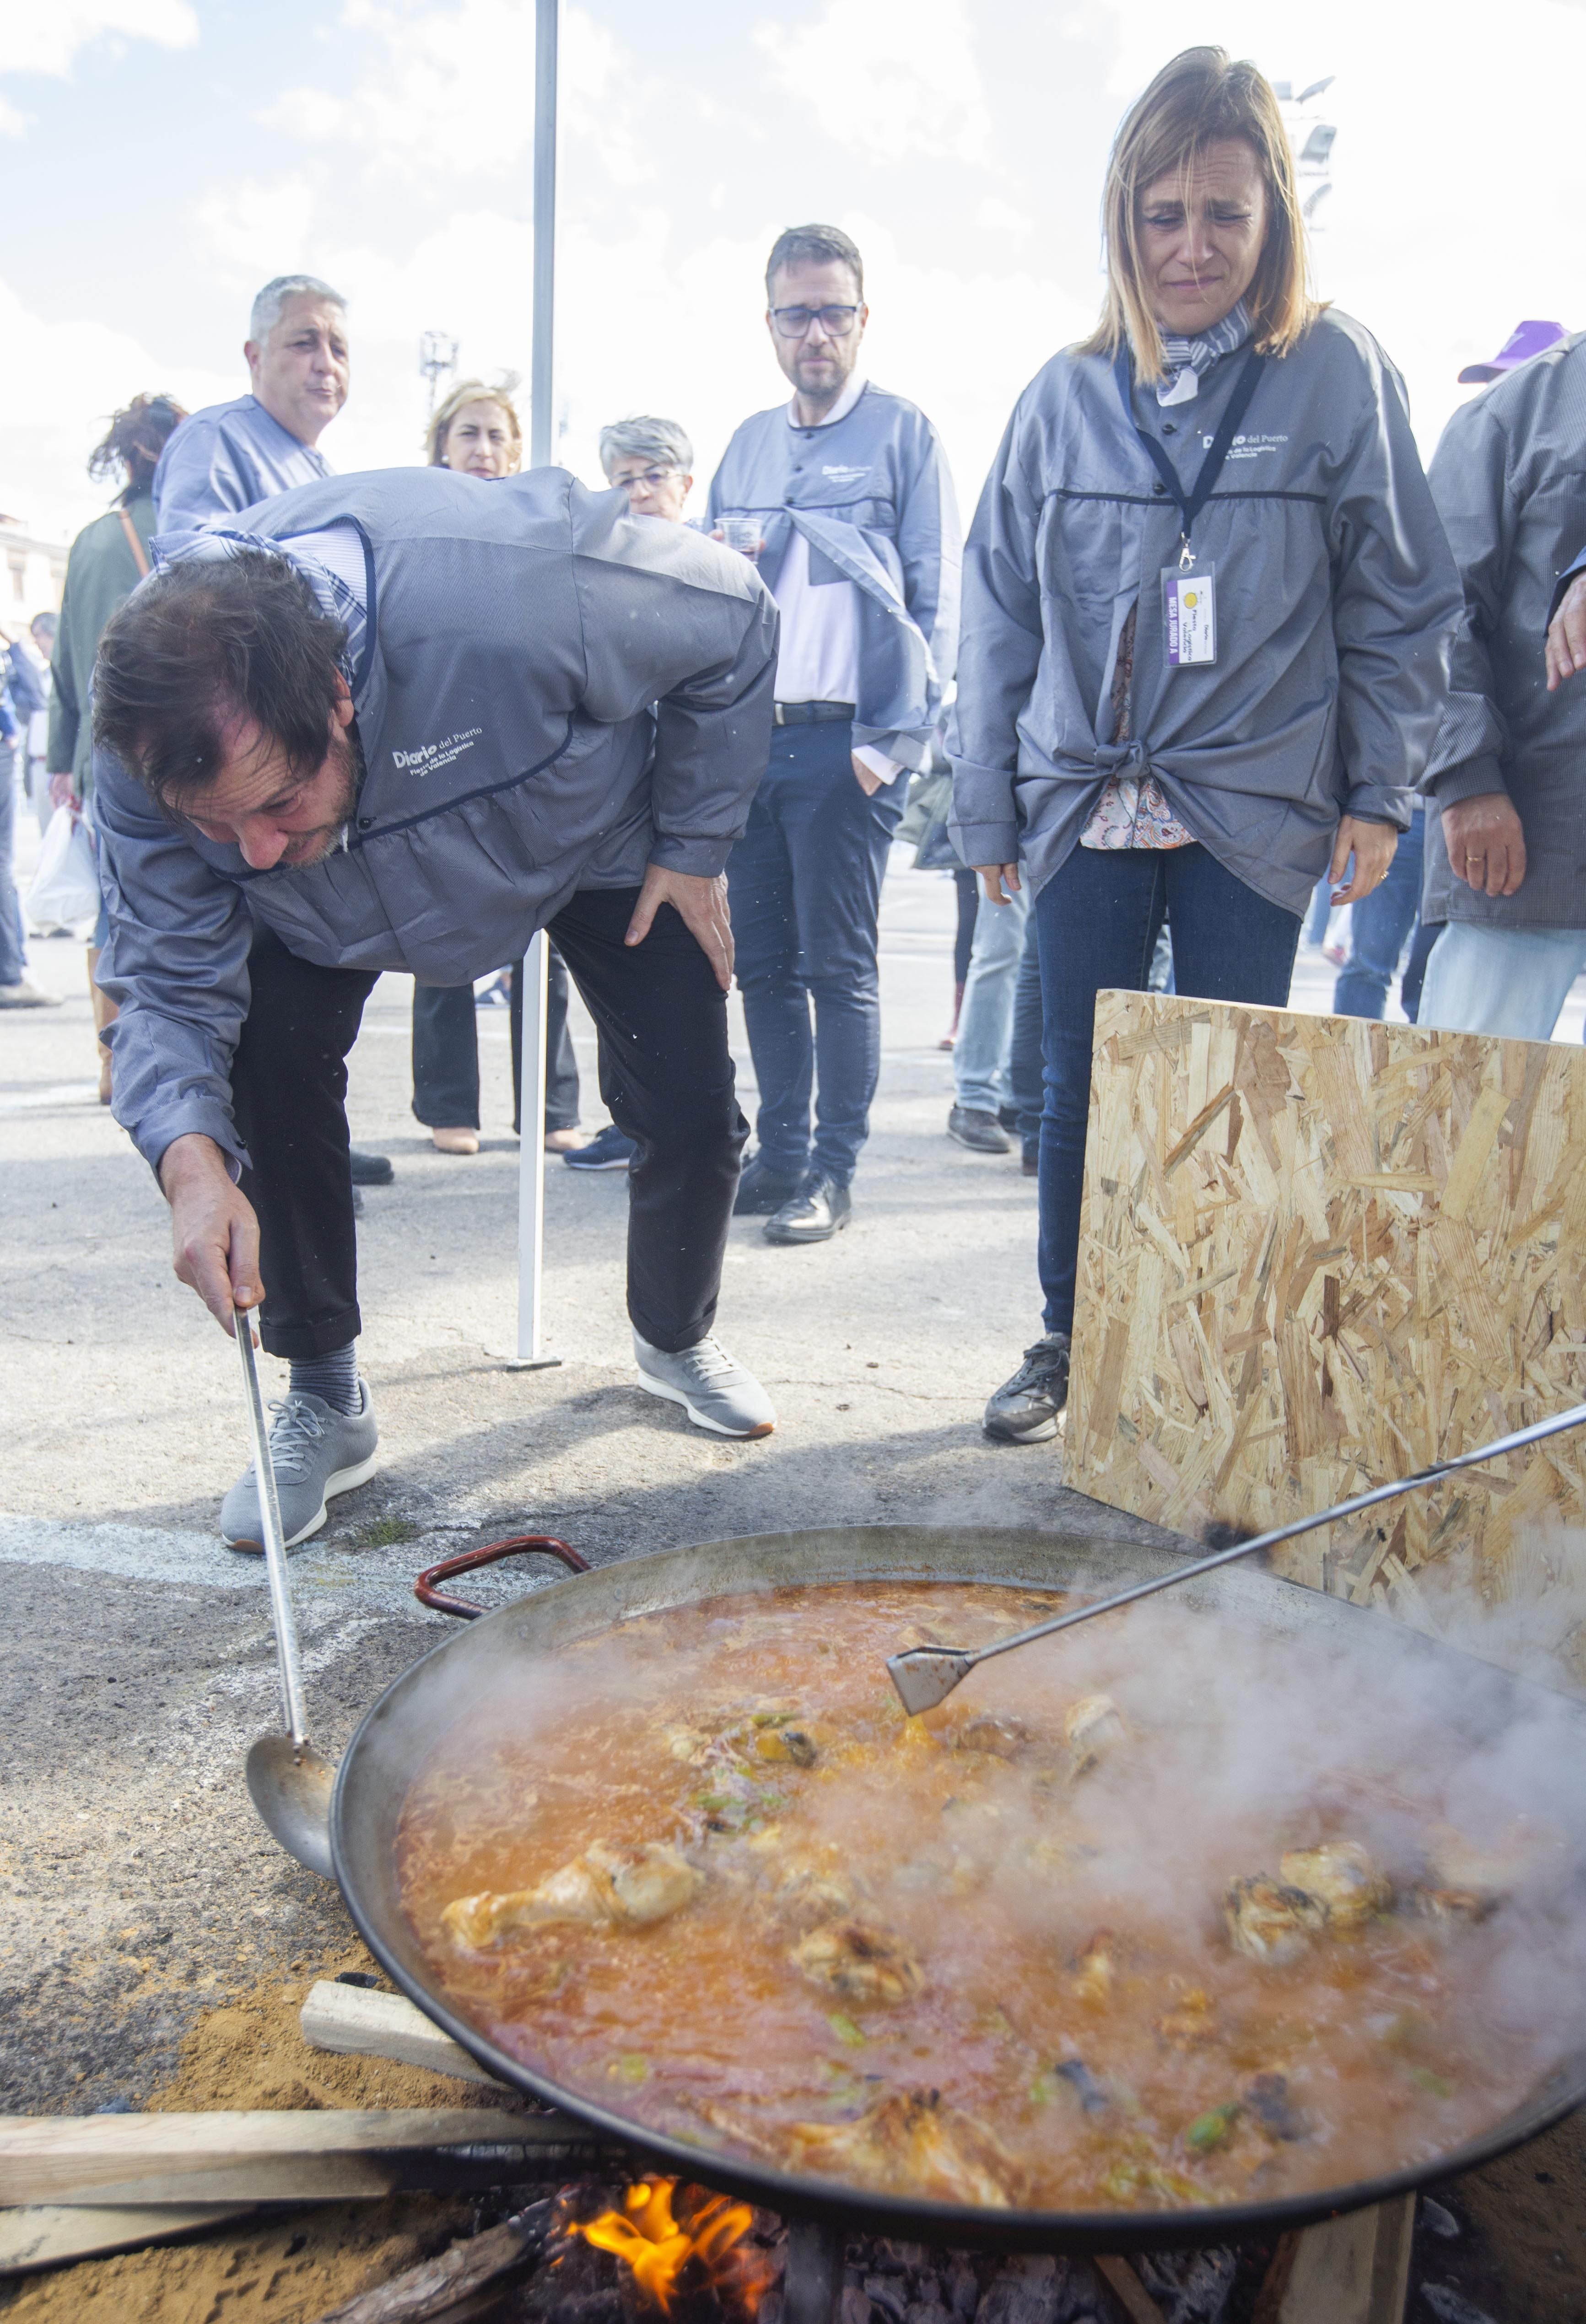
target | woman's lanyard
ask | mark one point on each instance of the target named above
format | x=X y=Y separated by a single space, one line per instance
x=1189 y=599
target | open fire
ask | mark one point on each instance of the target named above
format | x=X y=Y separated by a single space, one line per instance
x=678 y=2240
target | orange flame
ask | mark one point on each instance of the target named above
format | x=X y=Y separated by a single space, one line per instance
x=647 y=2236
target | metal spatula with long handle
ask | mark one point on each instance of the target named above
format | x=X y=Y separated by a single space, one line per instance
x=927 y=1676
x=288 y=1781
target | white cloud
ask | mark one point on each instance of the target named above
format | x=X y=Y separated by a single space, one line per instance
x=44 y=36
x=251 y=232
x=58 y=385
x=898 y=76
x=1002 y=217
x=454 y=91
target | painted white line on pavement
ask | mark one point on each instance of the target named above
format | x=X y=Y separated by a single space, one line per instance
x=63 y=1094
x=324 y=1575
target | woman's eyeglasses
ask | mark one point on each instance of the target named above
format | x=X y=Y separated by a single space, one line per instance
x=654 y=477
x=794 y=322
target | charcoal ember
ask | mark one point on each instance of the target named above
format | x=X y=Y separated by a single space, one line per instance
x=1450 y=2307
x=964 y=2289
x=929 y=2312
x=854 y=2308
x=1040 y=2290
x=1189 y=2287
x=888 y=2295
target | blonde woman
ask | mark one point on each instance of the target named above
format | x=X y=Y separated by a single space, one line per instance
x=1207 y=606
x=477 y=432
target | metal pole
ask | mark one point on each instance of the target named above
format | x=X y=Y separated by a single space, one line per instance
x=534 y=967
x=542 y=374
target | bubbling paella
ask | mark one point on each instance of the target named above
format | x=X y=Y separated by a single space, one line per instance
x=1155 y=1915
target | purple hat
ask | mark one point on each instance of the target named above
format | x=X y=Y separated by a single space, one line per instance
x=1526 y=340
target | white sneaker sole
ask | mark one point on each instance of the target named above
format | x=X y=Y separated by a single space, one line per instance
x=700 y=1420
x=340 y=1480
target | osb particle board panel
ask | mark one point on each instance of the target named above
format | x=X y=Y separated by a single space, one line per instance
x=1318 y=1253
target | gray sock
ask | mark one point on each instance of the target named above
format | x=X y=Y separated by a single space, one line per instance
x=334 y=1378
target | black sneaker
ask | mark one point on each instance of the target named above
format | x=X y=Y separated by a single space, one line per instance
x=820 y=1210
x=1025 y=1408
x=980 y=1132
x=371 y=1169
x=609 y=1150
x=762 y=1190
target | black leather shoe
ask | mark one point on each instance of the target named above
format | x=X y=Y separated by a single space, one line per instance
x=371 y=1169
x=983 y=1133
x=816 y=1213
x=762 y=1190
x=1025 y=1408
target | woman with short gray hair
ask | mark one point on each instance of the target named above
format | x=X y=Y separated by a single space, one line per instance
x=654 y=459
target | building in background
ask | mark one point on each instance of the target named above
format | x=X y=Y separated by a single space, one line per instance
x=30 y=576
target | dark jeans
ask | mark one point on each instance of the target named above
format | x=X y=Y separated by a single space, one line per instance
x=446 y=1054
x=1378 y=928
x=805 y=883
x=665 y=1072
x=1098 y=920
x=1026 y=1071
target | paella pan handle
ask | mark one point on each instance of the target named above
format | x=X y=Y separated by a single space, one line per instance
x=442 y=1600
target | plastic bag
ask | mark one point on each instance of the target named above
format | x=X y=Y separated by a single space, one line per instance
x=63 y=897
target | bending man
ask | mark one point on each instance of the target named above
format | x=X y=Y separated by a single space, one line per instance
x=401 y=720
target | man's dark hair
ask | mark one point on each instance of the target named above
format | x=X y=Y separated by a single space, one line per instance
x=202 y=643
x=814 y=246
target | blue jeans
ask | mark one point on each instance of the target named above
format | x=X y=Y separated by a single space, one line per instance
x=1509 y=981
x=1380 y=928
x=446 y=1054
x=1026 y=1070
x=1097 y=921
x=985 y=1023
x=804 y=886
x=12 y=958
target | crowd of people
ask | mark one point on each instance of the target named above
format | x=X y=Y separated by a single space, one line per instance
x=1216 y=642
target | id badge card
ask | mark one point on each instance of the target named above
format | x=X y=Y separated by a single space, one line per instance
x=1189 y=614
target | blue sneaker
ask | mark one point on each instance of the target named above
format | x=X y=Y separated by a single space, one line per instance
x=608 y=1151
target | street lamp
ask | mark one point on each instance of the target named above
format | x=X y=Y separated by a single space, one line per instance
x=437 y=359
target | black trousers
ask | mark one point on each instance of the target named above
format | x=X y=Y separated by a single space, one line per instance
x=665 y=1072
x=446 y=1054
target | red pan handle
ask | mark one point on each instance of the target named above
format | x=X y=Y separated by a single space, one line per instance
x=442 y=1600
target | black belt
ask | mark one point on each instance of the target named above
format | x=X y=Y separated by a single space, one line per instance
x=812 y=713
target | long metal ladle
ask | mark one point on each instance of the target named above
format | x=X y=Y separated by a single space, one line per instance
x=927 y=1676
x=288 y=1781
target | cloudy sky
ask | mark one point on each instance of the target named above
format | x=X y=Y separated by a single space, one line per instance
x=162 y=158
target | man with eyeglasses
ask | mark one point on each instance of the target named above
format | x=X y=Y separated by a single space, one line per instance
x=843 y=493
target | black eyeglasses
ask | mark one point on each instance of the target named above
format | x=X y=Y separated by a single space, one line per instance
x=794 y=322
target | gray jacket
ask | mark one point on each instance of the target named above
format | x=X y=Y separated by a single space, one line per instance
x=227 y=457
x=1336 y=596
x=873 y=495
x=550 y=695
x=1510 y=480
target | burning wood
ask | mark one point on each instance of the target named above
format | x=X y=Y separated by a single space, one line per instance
x=707 y=2249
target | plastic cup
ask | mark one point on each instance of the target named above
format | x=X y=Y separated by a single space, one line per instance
x=746 y=534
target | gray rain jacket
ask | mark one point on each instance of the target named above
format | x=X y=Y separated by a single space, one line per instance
x=1510 y=480
x=1336 y=595
x=873 y=496
x=519 y=634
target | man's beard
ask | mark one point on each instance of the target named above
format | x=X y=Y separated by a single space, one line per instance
x=309 y=848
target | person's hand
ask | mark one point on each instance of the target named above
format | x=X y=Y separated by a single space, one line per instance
x=995 y=877
x=1566 y=635
x=1486 y=843
x=61 y=790
x=213 y=1233
x=869 y=783
x=1373 y=846
x=702 y=906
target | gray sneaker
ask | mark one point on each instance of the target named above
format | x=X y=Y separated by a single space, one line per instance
x=711 y=1386
x=316 y=1453
x=1025 y=1408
